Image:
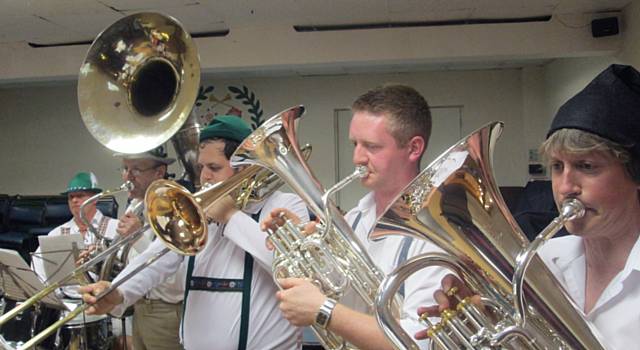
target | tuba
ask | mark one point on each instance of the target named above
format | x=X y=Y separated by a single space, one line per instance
x=455 y=204
x=332 y=257
x=136 y=89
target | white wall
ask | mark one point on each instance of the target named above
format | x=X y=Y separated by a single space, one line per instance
x=44 y=140
x=563 y=78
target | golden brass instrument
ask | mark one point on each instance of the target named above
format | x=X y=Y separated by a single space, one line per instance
x=177 y=217
x=138 y=82
x=136 y=90
x=333 y=256
x=455 y=204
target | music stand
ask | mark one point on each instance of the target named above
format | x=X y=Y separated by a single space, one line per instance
x=57 y=256
x=19 y=282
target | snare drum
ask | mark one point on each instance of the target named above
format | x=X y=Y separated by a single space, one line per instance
x=84 y=331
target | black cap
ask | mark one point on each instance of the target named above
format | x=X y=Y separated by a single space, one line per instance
x=608 y=107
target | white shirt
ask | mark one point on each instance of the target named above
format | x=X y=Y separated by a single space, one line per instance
x=171 y=289
x=419 y=288
x=73 y=229
x=615 y=314
x=214 y=317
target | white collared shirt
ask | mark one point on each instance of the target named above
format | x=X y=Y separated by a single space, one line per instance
x=73 y=229
x=214 y=317
x=419 y=288
x=615 y=314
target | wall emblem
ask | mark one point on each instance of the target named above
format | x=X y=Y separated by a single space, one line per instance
x=235 y=100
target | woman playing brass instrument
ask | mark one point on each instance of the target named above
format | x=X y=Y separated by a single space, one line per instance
x=593 y=152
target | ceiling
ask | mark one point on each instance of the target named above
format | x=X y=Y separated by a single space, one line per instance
x=72 y=22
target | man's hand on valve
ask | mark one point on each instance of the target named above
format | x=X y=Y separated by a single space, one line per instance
x=277 y=218
x=300 y=300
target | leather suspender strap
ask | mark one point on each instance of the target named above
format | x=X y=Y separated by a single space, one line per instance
x=356 y=221
x=102 y=227
x=190 y=262
x=224 y=285
x=246 y=301
x=246 y=294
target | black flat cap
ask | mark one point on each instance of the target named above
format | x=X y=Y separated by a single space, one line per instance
x=608 y=107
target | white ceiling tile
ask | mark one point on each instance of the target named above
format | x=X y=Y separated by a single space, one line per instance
x=34 y=29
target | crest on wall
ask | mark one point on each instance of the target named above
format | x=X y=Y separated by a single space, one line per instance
x=239 y=101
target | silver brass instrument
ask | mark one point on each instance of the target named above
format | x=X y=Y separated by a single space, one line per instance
x=455 y=204
x=102 y=242
x=334 y=258
x=114 y=264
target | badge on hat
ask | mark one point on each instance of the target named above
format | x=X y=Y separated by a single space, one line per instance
x=158 y=154
x=83 y=182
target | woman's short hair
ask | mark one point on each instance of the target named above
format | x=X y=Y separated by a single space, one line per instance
x=575 y=141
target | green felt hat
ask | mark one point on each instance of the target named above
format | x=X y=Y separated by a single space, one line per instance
x=228 y=127
x=83 y=182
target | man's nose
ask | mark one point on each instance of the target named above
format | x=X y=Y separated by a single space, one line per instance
x=359 y=156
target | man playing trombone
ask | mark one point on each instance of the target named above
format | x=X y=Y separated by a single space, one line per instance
x=156 y=317
x=229 y=289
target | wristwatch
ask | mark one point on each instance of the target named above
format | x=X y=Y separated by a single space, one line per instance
x=324 y=314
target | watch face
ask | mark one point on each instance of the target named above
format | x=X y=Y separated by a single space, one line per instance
x=322 y=319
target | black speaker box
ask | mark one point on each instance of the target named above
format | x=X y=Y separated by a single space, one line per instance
x=604 y=27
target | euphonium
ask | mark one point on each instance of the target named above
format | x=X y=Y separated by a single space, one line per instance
x=455 y=204
x=333 y=256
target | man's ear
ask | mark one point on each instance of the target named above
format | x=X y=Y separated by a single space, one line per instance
x=416 y=147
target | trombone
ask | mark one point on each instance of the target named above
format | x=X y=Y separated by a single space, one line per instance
x=136 y=88
x=176 y=217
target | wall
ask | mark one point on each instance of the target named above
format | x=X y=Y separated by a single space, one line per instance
x=44 y=140
x=630 y=53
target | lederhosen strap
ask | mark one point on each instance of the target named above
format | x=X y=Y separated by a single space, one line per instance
x=102 y=227
x=404 y=249
x=225 y=285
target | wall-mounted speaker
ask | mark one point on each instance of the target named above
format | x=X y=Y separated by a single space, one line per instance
x=604 y=27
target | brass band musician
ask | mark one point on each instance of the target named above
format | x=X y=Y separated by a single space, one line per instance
x=229 y=300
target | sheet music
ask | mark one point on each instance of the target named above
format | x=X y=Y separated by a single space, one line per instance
x=19 y=282
x=58 y=255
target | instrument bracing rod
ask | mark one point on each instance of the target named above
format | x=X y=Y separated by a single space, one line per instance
x=78 y=271
x=49 y=330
